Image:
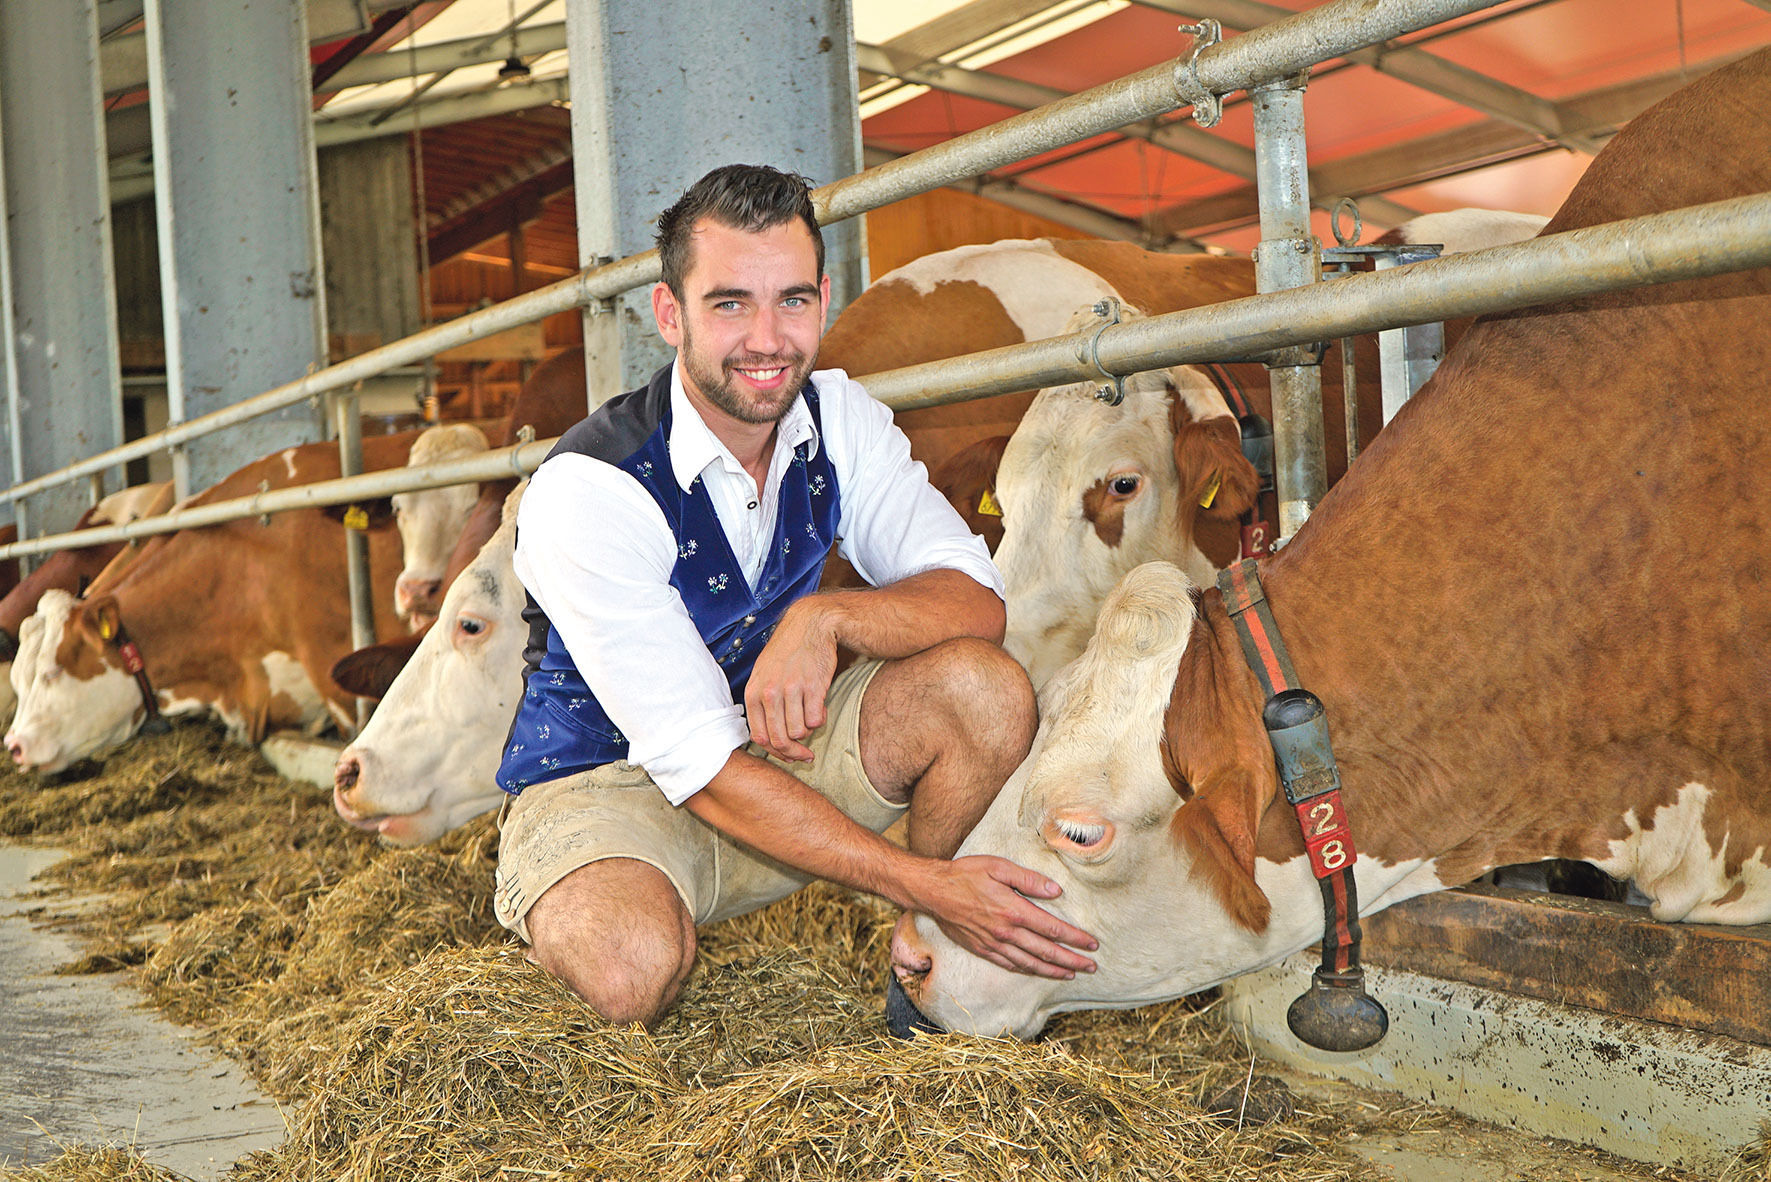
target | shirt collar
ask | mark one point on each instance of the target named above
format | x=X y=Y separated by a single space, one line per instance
x=693 y=447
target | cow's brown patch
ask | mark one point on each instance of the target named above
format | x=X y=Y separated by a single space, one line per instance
x=1105 y=510
x=81 y=653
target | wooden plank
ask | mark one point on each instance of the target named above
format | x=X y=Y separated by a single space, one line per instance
x=1602 y=956
x=526 y=342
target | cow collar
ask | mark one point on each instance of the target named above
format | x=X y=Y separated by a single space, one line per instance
x=155 y=723
x=1336 y=1014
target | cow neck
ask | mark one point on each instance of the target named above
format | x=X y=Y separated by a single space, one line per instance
x=154 y=723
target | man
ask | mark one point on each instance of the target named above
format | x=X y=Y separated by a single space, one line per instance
x=671 y=545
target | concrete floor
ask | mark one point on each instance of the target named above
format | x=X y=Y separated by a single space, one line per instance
x=81 y=1060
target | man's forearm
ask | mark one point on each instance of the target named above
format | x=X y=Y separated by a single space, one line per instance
x=770 y=811
x=906 y=617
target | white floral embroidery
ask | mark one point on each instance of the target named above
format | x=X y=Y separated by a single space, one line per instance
x=549 y=762
x=543 y=731
x=811 y=531
x=575 y=703
x=687 y=549
x=645 y=467
x=516 y=748
x=558 y=678
x=786 y=545
x=716 y=583
x=817 y=486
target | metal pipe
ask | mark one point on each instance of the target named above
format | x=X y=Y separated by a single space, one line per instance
x=1289 y=257
x=1693 y=243
x=356 y=545
x=1278 y=50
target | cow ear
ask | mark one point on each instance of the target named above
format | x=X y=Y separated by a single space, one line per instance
x=967 y=478
x=1215 y=477
x=369 y=672
x=376 y=513
x=100 y=616
x=1218 y=827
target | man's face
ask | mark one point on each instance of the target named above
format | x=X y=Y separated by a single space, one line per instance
x=748 y=324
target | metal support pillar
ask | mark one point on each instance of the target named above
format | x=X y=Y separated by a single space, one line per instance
x=1408 y=356
x=1289 y=256
x=63 y=385
x=661 y=87
x=356 y=543
x=239 y=220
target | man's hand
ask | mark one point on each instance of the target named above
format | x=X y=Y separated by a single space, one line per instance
x=982 y=903
x=784 y=699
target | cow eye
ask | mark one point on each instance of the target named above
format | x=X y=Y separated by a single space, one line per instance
x=1086 y=837
x=1080 y=834
x=470 y=625
x=1124 y=486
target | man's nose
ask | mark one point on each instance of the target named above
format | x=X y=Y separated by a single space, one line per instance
x=765 y=336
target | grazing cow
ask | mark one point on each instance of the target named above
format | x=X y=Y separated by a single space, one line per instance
x=243 y=618
x=71 y=570
x=424 y=764
x=1525 y=648
x=431 y=521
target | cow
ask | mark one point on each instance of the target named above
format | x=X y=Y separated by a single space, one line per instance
x=1470 y=228
x=1087 y=491
x=243 y=619
x=1525 y=646
x=70 y=570
x=430 y=521
x=424 y=764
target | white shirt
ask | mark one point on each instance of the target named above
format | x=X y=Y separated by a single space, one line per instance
x=596 y=552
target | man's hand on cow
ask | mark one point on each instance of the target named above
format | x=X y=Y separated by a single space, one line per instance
x=983 y=903
x=784 y=699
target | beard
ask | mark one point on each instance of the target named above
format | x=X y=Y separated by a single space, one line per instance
x=717 y=382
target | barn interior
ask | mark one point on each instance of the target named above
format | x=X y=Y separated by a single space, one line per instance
x=443 y=135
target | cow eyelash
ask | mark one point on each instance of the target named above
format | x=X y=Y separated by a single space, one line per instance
x=1080 y=834
x=1124 y=486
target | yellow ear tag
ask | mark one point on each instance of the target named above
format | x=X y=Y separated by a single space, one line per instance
x=105 y=631
x=987 y=505
x=1211 y=492
x=356 y=518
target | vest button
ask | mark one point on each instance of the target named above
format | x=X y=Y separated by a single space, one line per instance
x=749 y=620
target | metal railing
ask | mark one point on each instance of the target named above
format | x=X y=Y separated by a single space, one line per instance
x=1690 y=243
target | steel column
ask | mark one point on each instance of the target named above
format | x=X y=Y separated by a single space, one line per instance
x=239 y=219
x=652 y=110
x=359 y=588
x=65 y=387
x=1289 y=256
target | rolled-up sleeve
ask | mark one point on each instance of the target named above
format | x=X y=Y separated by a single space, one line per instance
x=595 y=551
x=894 y=522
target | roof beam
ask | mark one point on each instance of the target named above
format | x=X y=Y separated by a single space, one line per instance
x=957 y=29
x=1595 y=115
x=1416 y=67
x=1182 y=138
x=395 y=64
x=1087 y=218
x=517 y=205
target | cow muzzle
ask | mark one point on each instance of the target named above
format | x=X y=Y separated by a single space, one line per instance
x=903 y=1019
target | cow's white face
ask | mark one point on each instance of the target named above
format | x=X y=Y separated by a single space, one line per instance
x=72 y=700
x=1093 y=809
x=1089 y=491
x=431 y=521
x=425 y=763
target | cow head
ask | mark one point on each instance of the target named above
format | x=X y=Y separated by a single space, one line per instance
x=74 y=697
x=1148 y=825
x=1089 y=491
x=425 y=763
x=431 y=521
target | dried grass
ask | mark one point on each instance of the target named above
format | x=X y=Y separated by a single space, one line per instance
x=111 y=1163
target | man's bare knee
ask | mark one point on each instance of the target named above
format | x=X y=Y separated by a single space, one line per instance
x=616 y=934
x=985 y=691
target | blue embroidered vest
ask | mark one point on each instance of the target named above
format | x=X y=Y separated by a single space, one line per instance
x=560 y=727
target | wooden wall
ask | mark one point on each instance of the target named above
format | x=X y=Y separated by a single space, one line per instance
x=943 y=219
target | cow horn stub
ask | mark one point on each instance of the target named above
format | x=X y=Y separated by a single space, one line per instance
x=1336 y=1014
x=903 y=1019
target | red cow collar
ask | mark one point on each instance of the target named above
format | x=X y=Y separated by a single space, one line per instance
x=155 y=723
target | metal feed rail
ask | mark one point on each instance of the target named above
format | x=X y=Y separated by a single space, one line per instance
x=1272 y=52
x=1690 y=243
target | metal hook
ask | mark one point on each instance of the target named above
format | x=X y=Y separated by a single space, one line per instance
x=1107 y=309
x=1334 y=220
x=1208 y=108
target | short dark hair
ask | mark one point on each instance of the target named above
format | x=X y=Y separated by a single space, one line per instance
x=748 y=197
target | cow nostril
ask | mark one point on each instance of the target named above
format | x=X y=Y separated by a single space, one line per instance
x=903 y=1019
x=16 y=749
x=344 y=776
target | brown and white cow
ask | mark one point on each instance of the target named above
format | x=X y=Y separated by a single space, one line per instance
x=244 y=619
x=430 y=521
x=1514 y=608
x=425 y=762
x=71 y=570
x=1088 y=491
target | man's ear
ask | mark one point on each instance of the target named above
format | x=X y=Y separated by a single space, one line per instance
x=669 y=314
x=823 y=303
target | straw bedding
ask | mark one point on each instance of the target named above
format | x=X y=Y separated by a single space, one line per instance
x=372 y=992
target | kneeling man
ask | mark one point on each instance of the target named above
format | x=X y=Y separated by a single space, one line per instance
x=684 y=750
